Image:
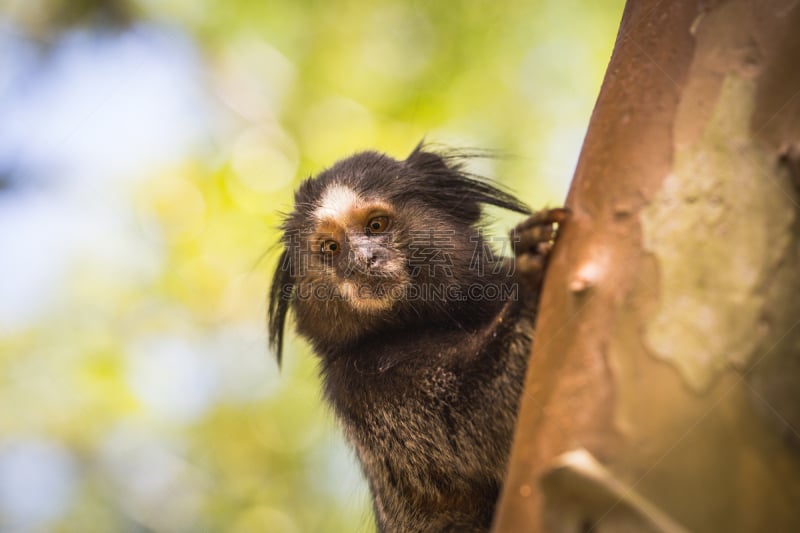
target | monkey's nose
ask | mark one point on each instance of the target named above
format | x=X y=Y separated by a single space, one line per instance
x=367 y=256
x=363 y=255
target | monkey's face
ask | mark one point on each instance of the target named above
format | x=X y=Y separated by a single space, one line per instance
x=367 y=235
x=352 y=253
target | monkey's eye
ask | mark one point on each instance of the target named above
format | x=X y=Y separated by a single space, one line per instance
x=377 y=225
x=329 y=247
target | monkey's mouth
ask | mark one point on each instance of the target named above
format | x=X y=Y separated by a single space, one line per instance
x=372 y=295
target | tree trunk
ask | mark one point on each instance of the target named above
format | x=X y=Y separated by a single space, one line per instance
x=663 y=392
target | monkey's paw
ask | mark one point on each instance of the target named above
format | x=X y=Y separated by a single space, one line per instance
x=533 y=239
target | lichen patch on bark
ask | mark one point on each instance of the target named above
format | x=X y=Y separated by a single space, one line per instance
x=710 y=303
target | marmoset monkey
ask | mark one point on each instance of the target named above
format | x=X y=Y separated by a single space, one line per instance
x=421 y=329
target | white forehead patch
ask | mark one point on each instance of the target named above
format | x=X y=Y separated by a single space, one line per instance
x=336 y=204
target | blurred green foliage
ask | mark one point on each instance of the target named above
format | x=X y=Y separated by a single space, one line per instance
x=298 y=84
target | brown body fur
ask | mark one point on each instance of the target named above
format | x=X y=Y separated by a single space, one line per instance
x=426 y=388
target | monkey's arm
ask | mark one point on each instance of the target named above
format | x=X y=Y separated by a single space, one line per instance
x=532 y=241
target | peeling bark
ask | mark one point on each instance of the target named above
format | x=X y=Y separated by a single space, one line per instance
x=663 y=392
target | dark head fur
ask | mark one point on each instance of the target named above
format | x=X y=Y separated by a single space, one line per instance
x=427 y=192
